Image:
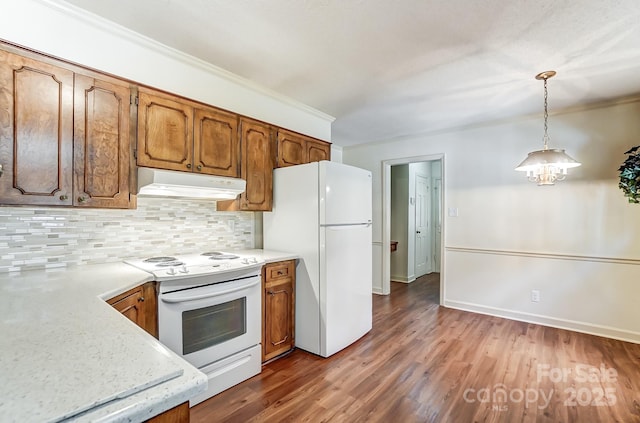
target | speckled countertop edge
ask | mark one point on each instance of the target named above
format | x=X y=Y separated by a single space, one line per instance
x=97 y=283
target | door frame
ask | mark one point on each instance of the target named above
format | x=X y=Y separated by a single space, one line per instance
x=386 y=218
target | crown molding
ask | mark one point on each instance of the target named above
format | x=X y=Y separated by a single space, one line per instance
x=175 y=54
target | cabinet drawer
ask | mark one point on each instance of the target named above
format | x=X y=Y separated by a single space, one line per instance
x=278 y=271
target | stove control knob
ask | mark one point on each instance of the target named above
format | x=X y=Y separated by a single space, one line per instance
x=171 y=271
x=184 y=269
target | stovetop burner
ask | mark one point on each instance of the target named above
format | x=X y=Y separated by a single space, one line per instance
x=219 y=255
x=160 y=259
x=170 y=263
x=183 y=266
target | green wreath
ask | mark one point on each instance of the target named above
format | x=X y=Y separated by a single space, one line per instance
x=630 y=175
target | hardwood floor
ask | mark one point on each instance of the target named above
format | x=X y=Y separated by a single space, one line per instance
x=425 y=363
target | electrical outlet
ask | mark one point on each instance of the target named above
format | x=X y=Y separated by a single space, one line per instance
x=535 y=296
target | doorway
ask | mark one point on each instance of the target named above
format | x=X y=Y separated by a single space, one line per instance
x=413 y=195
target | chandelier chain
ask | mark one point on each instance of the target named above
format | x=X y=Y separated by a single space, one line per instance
x=545 y=138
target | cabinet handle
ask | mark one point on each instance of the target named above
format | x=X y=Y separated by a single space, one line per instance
x=63 y=197
x=141 y=299
x=188 y=165
x=199 y=167
x=271 y=293
x=81 y=199
x=280 y=273
x=1 y=171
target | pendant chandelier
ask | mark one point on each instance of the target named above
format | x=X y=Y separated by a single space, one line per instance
x=548 y=165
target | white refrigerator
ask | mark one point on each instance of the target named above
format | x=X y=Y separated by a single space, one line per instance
x=322 y=212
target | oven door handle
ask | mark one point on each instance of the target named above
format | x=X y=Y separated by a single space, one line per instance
x=175 y=297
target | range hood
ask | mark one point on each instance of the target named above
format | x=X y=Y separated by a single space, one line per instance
x=170 y=183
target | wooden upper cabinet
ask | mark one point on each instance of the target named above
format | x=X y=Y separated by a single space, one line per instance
x=295 y=149
x=215 y=143
x=101 y=143
x=165 y=132
x=177 y=134
x=257 y=154
x=36 y=132
x=318 y=150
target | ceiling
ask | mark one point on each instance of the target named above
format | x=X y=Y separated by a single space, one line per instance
x=388 y=69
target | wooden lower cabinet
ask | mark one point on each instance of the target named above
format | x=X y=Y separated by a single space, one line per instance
x=178 y=414
x=278 y=308
x=140 y=305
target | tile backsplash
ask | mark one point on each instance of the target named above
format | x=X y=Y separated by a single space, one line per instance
x=49 y=238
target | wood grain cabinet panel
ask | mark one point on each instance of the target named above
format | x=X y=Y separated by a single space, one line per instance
x=165 y=132
x=215 y=142
x=278 y=305
x=36 y=132
x=64 y=136
x=101 y=143
x=295 y=149
x=257 y=162
x=139 y=305
x=291 y=149
x=178 y=414
x=318 y=150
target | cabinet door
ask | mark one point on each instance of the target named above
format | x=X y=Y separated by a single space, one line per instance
x=318 y=150
x=140 y=306
x=278 y=309
x=101 y=143
x=165 y=132
x=36 y=130
x=291 y=149
x=215 y=142
x=257 y=165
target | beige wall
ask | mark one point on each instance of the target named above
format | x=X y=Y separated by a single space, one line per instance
x=577 y=242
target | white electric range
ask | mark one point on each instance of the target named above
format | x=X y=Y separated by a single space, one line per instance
x=209 y=312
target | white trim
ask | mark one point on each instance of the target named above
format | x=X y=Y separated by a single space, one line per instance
x=615 y=260
x=148 y=43
x=403 y=279
x=576 y=326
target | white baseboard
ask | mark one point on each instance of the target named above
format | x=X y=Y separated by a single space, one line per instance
x=378 y=291
x=588 y=328
x=403 y=279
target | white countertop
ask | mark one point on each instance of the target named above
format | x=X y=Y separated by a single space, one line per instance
x=66 y=354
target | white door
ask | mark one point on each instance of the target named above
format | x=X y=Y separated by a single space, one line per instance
x=423 y=233
x=437 y=223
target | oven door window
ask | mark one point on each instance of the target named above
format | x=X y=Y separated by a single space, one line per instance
x=205 y=327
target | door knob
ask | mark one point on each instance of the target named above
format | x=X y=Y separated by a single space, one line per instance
x=199 y=167
x=188 y=165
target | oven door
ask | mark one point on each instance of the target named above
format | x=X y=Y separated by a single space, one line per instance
x=208 y=323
